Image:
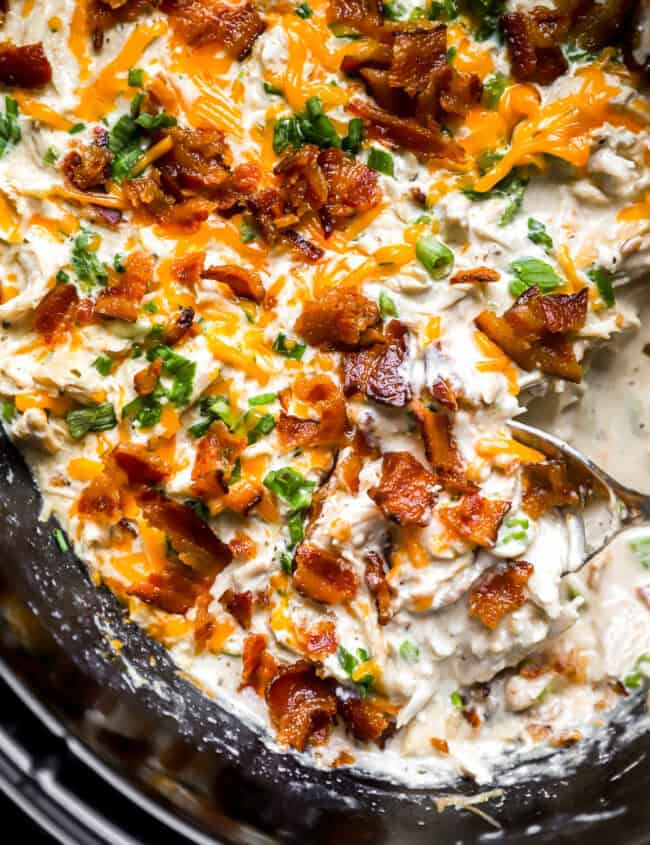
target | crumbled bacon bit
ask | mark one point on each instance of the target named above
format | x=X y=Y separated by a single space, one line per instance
x=364 y=15
x=216 y=453
x=377 y=370
x=243 y=546
x=191 y=538
x=472 y=717
x=533 y=38
x=323 y=577
x=145 y=380
x=476 y=519
x=500 y=592
x=88 y=166
x=329 y=430
x=340 y=320
x=235 y=27
x=258 y=665
x=478 y=275
x=198 y=160
x=122 y=299
x=343 y=759
x=267 y=209
x=321 y=640
x=55 y=310
x=439 y=745
x=417 y=55
x=188 y=269
x=140 y=465
x=406 y=490
x=242 y=496
x=424 y=138
x=532 y=332
x=440 y=446
x=179 y=326
x=26 y=66
x=365 y=720
x=301 y=705
x=242 y=282
x=174 y=591
x=238 y=605
x=378 y=586
x=101 y=499
x=107 y=14
x=546 y=485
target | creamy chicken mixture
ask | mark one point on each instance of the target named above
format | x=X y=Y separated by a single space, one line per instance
x=275 y=278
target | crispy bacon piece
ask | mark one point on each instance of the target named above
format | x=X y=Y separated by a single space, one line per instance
x=179 y=326
x=174 y=590
x=364 y=15
x=268 y=211
x=532 y=332
x=55 y=309
x=235 y=27
x=301 y=705
x=476 y=519
x=122 y=299
x=366 y=722
x=321 y=640
x=406 y=489
x=140 y=465
x=216 y=453
x=88 y=166
x=242 y=282
x=499 y=592
x=440 y=745
x=417 y=55
x=101 y=499
x=192 y=539
x=377 y=370
x=198 y=161
x=378 y=586
x=146 y=197
x=258 y=665
x=422 y=138
x=238 y=605
x=322 y=576
x=145 y=380
x=107 y=14
x=26 y=66
x=534 y=38
x=546 y=485
x=188 y=269
x=329 y=429
x=340 y=320
x=242 y=496
x=440 y=446
x=478 y=275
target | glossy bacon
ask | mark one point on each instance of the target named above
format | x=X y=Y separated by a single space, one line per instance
x=55 y=310
x=416 y=56
x=101 y=499
x=188 y=269
x=140 y=465
x=546 y=485
x=534 y=38
x=198 y=161
x=104 y=15
x=88 y=166
x=179 y=326
x=268 y=210
x=243 y=496
x=258 y=665
x=235 y=27
x=478 y=275
x=122 y=299
x=364 y=15
x=440 y=446
x=378 y=586
x=239 y=606
x=145 y=380
x=241 y=281
x=216 y=453
x=500 y=592
x=476 y=519
x=26 y=66
x=301 y=705
x=321 y=640
x=322 y=576
x=532 y=332
x=366 y=721
x=174 y=590
x=406 y=490
x=339 y=320
x=192 y=539
x=377 y=370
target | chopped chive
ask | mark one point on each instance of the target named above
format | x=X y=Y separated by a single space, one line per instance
x=381 y=161
x=61 y=542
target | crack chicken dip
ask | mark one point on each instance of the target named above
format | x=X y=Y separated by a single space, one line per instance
x=275 y=277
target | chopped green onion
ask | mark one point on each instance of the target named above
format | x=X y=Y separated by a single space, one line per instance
x=8 y=410
x=77 y=128
x=436 y=258
x=247 y=232
x=265 y=425
x=51 y=156
x=10 y=133
x=409 y=651
x=603 y=279
x=61 y=542
x=532 y=272
x=457 y=700
x=381 y=161
x=136 y=77
x=262 y=399
x=538 y=235
x=304 y=10
x=89 y=269
x=354 y=139
x=272 y=89
x=289 y=348
x=103 y=364
x=290 y=486
x=387 y=307
x=94 y=418
x=493 y=89
x=641 y=549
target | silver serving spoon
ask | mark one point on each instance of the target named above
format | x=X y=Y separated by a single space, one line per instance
x=609 y=508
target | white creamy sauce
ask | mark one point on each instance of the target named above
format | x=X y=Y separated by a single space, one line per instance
x=547 y=671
